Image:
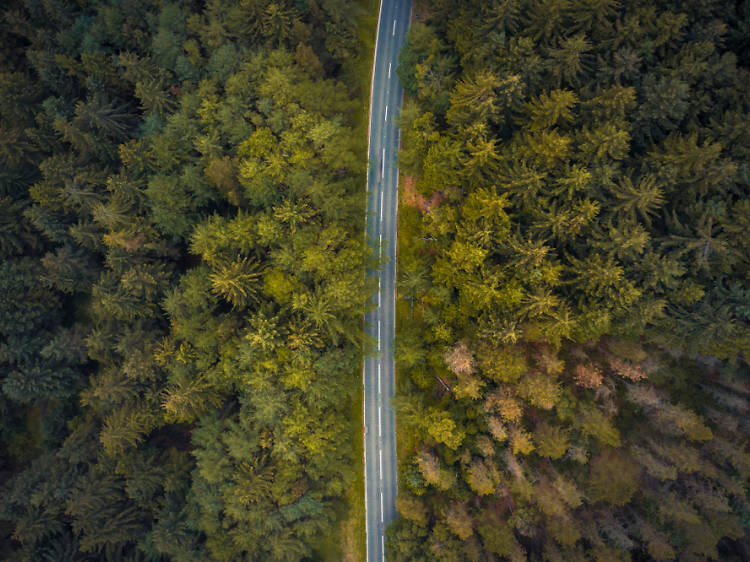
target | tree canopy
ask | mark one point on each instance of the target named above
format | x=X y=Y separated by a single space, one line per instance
x=181 y=277
x=573 y=326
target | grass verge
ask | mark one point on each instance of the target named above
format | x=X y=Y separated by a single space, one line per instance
x=407 y=314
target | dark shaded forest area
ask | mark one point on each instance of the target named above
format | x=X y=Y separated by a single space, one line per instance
x=181 y=277
x=574 y=311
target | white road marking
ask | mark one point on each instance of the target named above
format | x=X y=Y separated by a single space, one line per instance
x=382 y=164
x=380 y=433
x=378 y=335
x=381 y=463
x=369 y=121
x=378 y=378
x=381 y=206
x=368 y=496
x=386 y=114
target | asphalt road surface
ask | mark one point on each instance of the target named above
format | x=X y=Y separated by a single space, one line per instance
x=382 y=199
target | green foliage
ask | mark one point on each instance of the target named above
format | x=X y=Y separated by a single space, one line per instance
x=181 y=278
x=574 y=290
x=612 y=478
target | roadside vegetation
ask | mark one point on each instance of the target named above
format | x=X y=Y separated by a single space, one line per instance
x=181 y=279
x=574 y=297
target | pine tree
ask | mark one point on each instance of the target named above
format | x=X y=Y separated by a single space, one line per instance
x=154 y=96
x=236 y=282
x=549 y=109
x=641 y=201
x=569 y=60
x=104 y=117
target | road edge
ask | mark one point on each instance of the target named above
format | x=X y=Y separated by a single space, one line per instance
x=367 y=192
x=395 y=268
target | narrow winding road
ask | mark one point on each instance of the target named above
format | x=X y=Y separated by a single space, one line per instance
x=382 y=200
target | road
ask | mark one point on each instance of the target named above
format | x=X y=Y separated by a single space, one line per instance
x=382 y=201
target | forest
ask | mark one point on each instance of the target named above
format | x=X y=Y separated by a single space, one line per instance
x=574 y=282
x=181 y=277
x=182 y=280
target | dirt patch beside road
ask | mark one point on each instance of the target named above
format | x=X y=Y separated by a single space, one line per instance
x=411 y=197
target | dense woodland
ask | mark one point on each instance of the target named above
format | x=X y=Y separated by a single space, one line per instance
x=574 y=311
x=181 y=277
